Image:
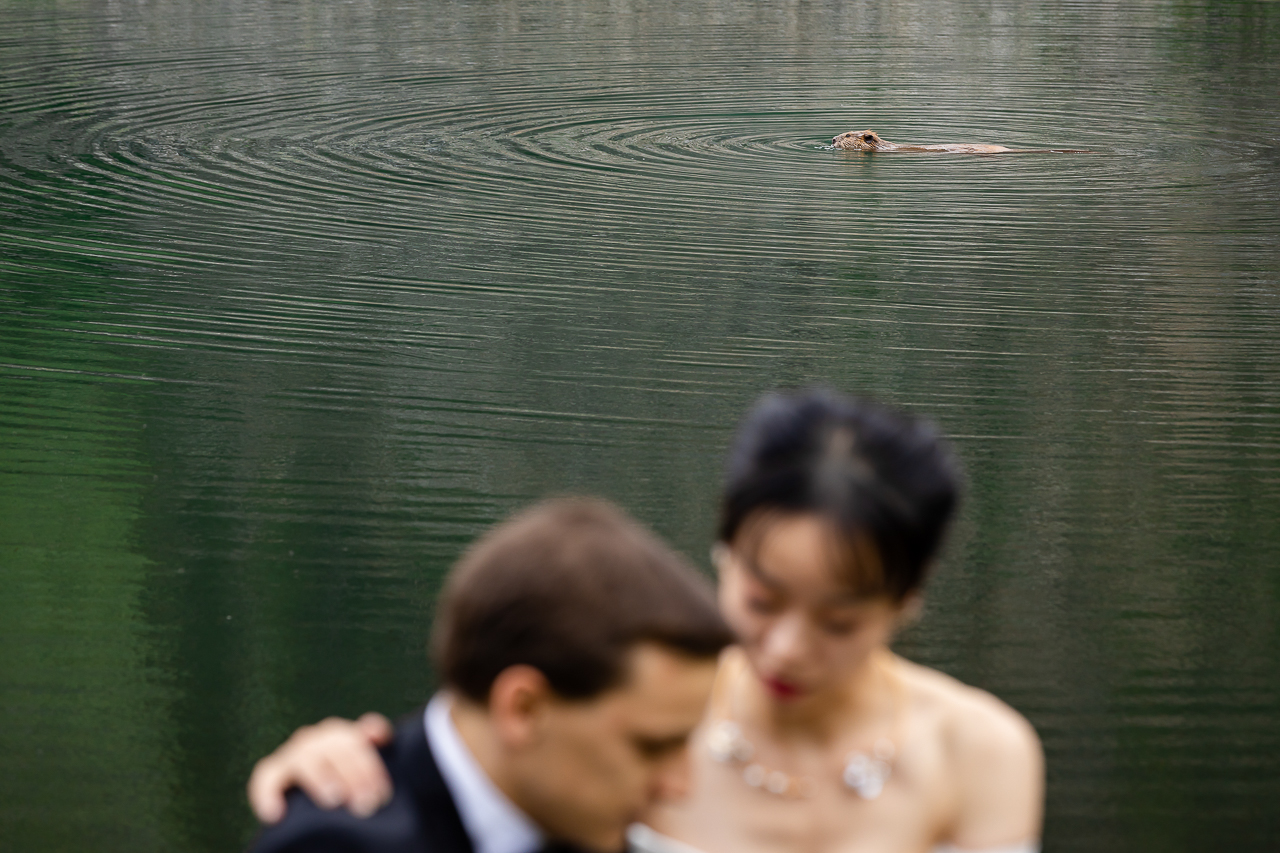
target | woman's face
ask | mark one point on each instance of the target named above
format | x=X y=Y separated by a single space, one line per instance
x=804 y=631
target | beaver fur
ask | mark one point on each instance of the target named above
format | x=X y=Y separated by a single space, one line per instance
x=869 y=140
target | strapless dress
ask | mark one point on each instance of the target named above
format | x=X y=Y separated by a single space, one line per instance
x=643 y=839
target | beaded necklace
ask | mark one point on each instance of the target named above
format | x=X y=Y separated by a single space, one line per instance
x=864 y=773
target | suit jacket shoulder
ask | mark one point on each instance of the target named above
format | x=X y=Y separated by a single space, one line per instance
x=421 y=817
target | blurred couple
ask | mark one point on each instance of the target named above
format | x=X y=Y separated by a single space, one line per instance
x=596 y=698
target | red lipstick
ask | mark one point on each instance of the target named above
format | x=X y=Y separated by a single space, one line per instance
x=781 y=689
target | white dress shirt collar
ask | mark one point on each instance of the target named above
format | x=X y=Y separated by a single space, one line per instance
x=493 y=822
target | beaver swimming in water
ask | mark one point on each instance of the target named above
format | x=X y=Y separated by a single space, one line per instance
x=869 y=140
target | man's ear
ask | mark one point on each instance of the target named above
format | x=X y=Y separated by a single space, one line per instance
x=518 y=700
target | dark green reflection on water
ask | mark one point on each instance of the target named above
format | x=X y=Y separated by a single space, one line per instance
x=295 y=301
x=84 y=737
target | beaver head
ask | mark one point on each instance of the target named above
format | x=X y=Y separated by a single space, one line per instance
x=864 y=140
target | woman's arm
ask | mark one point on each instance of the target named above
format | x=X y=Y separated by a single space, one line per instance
x=335 y=762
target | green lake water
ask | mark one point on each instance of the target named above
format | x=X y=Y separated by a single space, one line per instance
x=296 y=298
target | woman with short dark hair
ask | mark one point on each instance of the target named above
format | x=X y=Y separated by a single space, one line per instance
x=818 y=737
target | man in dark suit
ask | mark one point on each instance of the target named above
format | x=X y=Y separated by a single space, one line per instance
x=577 y=653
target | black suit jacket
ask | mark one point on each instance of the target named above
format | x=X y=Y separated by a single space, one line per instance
x=421 y=817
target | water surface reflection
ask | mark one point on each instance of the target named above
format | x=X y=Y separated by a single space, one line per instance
x=298 y=299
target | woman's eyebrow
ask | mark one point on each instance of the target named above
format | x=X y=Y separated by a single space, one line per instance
x=834 y=609
x=759 y=574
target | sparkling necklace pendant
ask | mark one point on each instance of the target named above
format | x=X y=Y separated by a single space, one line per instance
x=866 y=775
x=727 y=743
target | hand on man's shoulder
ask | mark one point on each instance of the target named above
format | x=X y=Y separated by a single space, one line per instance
x=420 y=816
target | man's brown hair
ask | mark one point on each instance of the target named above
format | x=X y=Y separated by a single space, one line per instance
x=569 y=587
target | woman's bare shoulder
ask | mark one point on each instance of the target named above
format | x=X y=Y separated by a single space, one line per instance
x=977 y=725
x=995 y=755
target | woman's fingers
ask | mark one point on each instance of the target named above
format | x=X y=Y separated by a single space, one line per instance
x=335 y=762
x=266 y=790
x=366 y=787
x=299 y=762
x=375 y=727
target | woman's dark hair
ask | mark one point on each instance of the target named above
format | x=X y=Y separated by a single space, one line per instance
x=569 y=587
x=879 y=477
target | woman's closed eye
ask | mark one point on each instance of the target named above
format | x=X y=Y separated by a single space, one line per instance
x=838 y=627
